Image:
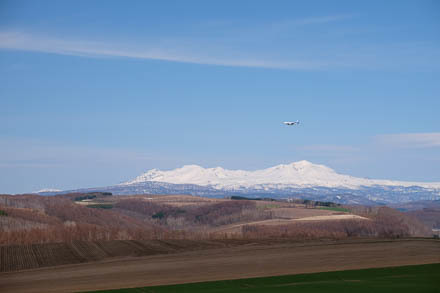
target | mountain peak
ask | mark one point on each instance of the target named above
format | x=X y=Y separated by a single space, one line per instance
x=298 y=164
x=303 y=166
x=302 y=163
x=191 y=167
x=301 y=174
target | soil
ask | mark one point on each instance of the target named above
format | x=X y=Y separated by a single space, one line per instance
x=228 y=259
x=297 y=213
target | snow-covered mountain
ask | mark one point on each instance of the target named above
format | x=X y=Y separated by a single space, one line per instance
x=296 y=180
x=302 y=174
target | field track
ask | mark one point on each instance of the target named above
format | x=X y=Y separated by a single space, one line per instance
x=238 y=260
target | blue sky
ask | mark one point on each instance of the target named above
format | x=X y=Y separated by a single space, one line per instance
x=93 y=93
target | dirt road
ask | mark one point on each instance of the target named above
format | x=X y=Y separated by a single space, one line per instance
x=253 y=260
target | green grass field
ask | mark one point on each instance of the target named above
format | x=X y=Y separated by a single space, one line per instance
x=337 y=209
x=419 y=278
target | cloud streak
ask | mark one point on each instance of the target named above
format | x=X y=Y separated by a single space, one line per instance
x=322 y=19
x=19 y=153
x=381 y=143
x=329 y=148
x=37 y=43
x=292 y=44
x=410 y=140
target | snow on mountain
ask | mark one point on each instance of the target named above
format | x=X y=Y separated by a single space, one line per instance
x=47 y=190
x=300 y=174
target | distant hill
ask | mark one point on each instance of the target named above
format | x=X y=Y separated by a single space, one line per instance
x=301 y=179
x=97 y=216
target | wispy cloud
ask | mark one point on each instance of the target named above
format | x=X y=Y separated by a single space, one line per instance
x=410 y=140
x=20 y=153
x=38 y=43
x=306 y=44
x=322 y=19
x=27 y=165
x=329 y=148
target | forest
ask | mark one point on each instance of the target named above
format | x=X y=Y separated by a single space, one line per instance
x=30 y=219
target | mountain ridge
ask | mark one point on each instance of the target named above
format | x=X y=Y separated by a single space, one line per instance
x=303 y=180
x=299 y=174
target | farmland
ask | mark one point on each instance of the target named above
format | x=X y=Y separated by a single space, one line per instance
x=230 y=259
x=338 y=209
x=96 y=241
x=421 y=278
x=31 y=219
x=21 y=257
x=31 y=256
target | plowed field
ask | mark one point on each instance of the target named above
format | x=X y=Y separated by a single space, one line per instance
x=219 y=260
x=22 y=257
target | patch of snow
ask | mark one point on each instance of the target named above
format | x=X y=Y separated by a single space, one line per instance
x=47 y=190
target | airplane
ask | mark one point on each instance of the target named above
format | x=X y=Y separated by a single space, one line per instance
x=291 y=123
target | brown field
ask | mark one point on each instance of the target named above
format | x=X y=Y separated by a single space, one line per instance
x=80 y=242
x=236 y=229
x=299 y=212
x=31 y=256
x=217 y=260
x=177 y=200
x=286 y=213
x=332 y=218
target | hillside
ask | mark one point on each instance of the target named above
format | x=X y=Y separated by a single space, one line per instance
x=102 y=216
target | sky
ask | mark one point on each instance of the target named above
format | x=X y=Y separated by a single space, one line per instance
x=93 y=93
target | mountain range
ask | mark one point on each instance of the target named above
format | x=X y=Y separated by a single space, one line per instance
x=301 y=179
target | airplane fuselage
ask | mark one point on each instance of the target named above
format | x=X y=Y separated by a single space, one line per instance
x=291 y=122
